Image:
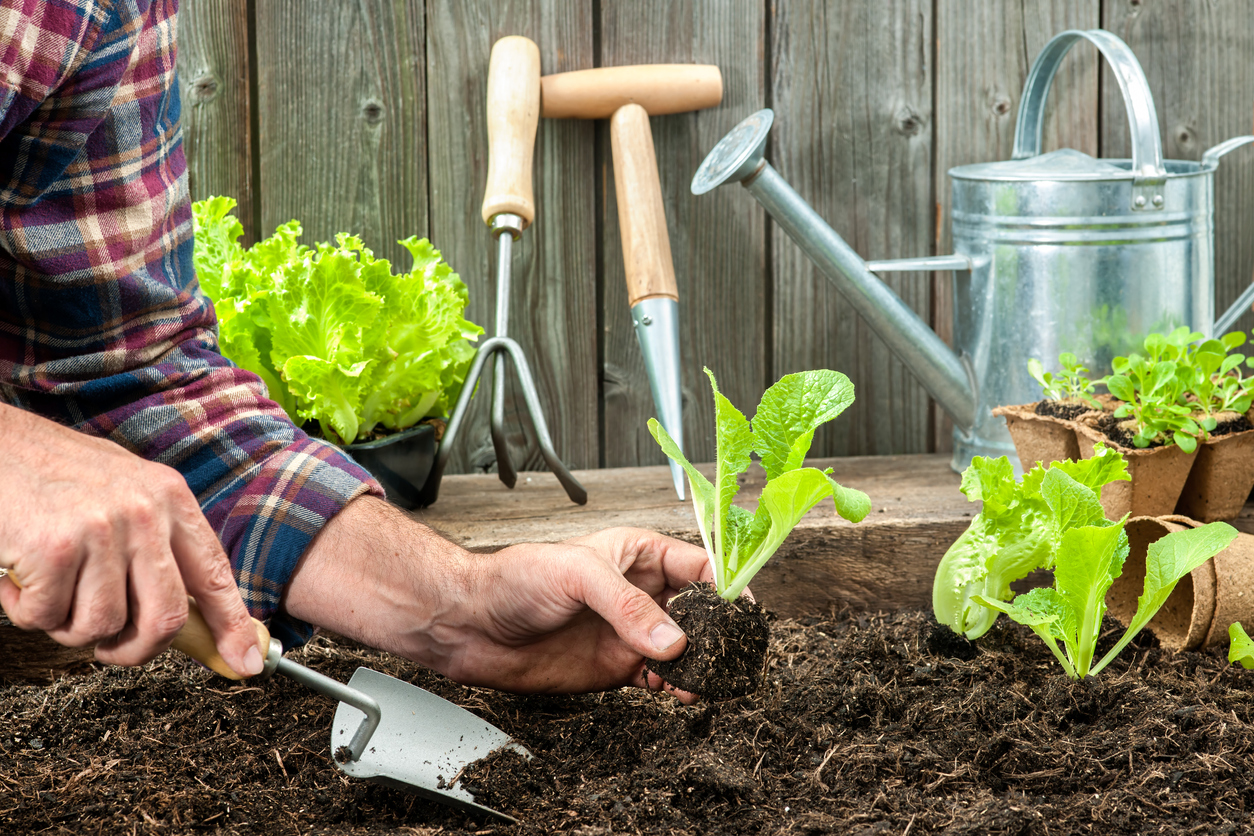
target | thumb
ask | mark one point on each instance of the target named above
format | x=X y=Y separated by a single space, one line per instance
x=634 y=615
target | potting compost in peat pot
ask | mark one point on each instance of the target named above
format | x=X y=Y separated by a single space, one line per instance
x=943 y=528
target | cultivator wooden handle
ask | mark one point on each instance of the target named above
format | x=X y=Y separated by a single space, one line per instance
x=658 y=88
x=513 y=112
x=641 y=216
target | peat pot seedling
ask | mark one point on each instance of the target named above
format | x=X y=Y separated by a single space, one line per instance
x=1241 y=648
x=1069 y=386
x=1054 y=520
x=739 y=543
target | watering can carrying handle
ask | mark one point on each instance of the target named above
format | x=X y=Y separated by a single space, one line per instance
x=1147 y=147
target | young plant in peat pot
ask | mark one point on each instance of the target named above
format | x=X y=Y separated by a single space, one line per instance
x=363 y=357
x=727 y=633
x=1045 y=431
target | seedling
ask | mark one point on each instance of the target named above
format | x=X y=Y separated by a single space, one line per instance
x=1152 y=389
x=1210 y=379
x=739 y=543
x=1089 y=559
x=1070 y=383
x=1018 y=530
x=1242 y=647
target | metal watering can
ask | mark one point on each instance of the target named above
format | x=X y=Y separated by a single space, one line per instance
x=1053 y=252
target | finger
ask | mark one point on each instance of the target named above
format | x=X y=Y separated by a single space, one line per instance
x=99 y=607
x=656 y=683
x=157 y=600
x=44 y=600
x=632 y=612
x=207 y=576
x=639 y=551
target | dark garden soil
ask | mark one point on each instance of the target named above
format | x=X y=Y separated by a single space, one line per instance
x=727 y=644
x=1066 y=410
x=866 y=725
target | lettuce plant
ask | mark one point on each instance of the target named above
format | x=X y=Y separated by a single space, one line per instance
x=334 y=334
x=1019 y=529
x=1153 y=395
x=1070 y=382
x=1089 y=559
x=738 y=542
x=1241 y=648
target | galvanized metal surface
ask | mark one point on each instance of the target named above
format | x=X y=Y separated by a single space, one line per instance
x=1055 y=252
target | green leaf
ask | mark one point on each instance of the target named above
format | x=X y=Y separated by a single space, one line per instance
x=1105 y=466
x=1242 y=648
x=734 y=443
x=1120 y=387
x=791 y=410
x=1088 y=561
x=1167 y=560
x=704 y=501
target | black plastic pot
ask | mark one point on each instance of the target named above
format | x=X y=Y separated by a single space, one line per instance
x=404 y=464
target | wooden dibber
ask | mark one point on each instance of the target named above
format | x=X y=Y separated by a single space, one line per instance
x=628 y=95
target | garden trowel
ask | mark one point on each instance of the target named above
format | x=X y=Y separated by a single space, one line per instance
x=385 y=730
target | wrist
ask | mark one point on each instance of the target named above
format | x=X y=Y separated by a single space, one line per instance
x=377 y=576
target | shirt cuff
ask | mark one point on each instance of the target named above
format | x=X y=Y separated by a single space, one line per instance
x=286 y=500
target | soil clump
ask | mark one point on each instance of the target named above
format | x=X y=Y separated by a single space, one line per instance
x=727 y=642
x=867 y=724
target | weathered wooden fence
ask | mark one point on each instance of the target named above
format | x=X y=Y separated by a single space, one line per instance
x=368 y=116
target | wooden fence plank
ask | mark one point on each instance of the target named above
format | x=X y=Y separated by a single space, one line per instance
x=984 y=50
x=213 y=69
x=553 y=297
x=1197 y=59
x=342 y=122
x=852 y=87
x=717 y=241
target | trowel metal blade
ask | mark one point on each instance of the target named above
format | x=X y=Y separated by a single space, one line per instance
x=422 y=744
x=657 y=329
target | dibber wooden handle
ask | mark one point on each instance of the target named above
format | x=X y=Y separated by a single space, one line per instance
x=197 y=642
x=641 y=216
x=513 y=111
x=658 y=88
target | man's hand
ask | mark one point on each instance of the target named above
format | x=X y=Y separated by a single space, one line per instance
x=566 y=617
x=107 y=546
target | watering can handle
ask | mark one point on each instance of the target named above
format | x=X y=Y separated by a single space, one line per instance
x=1147 y=145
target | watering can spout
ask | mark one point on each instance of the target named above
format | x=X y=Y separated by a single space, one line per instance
x=738 y=157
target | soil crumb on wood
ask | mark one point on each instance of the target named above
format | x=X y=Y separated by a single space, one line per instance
x=866 y=725
x=726 y=648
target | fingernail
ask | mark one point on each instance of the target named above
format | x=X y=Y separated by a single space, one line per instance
x=665 y=634
x=253 y=662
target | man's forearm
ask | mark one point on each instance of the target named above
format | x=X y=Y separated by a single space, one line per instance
x=377 y=576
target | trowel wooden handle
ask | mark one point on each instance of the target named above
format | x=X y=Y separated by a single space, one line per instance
x=196 y=641
x=641 y=217
x=658 y=88
x=513 y=111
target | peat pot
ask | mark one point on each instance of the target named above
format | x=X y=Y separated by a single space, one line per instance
x=402 y=462
x=1056 y=251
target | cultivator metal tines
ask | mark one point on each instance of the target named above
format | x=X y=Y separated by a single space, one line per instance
x=508 y=208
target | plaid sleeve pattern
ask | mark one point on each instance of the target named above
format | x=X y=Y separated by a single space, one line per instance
x=102 y=325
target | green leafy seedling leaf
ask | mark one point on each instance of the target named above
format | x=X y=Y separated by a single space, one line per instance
x=1241 y=650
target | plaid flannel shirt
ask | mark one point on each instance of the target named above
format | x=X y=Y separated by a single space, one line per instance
x=102 y=324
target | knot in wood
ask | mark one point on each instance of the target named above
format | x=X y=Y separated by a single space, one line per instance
x=908 y=121
x=1001 y=105
x=372 y=111
x=1184 y=136
x=204 y=89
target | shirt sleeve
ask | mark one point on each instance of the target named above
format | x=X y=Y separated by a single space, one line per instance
x=102 y=324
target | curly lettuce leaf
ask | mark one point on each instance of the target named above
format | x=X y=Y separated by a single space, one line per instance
x=1241 y=648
